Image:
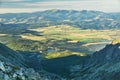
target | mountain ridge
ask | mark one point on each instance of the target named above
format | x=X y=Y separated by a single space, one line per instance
x=83 y=19
x=102 y=65
x=91 y=67
x=9 y=56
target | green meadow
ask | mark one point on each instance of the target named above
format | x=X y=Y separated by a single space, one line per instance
x=60 y=40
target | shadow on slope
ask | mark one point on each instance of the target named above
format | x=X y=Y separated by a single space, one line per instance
x=62 y=65
x=9 y=56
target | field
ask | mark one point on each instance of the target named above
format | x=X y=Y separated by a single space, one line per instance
x=3 y=35
x=73 y=34
x=58 y=41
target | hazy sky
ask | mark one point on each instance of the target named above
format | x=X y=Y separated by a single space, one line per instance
x=13 y=6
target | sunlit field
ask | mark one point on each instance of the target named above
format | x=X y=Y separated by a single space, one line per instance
x=73 y=34
x=54 y=41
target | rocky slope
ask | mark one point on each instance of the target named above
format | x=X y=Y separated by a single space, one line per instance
x=102 y=65
x=9 y=56
x=13 y=66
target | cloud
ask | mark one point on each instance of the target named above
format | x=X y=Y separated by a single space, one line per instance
x=34 y=5
x=62 y=4
x=102 y=5
x=18 y=10
x=5 y=1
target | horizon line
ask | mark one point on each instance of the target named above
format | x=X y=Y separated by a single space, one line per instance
x=42 y=10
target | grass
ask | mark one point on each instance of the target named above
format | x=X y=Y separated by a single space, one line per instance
x=62 y=38
x=51 y=55
x=1 y=35
x=62 y=32
x=33 y=37
x=65 y=37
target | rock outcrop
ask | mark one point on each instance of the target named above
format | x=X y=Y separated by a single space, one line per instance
x=12 y=72
x=102 y=65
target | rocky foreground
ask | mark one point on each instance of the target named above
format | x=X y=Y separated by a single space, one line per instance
x=12 y=72
x=13 y=66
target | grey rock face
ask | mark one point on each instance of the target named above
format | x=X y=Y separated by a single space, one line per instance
x=12 y=72
x=2 y=66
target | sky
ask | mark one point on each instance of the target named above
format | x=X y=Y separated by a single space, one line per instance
x=15 y=6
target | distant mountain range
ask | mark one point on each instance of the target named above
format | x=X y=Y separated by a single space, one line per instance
x=83 y=19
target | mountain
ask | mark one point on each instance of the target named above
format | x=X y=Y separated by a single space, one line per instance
x=9 y=56
x=83 y=19
x=13 y=66
x=102 y=65
x=61 y=65
x=13 y=28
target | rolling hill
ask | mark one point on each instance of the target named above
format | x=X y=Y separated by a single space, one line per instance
x=83 y=19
